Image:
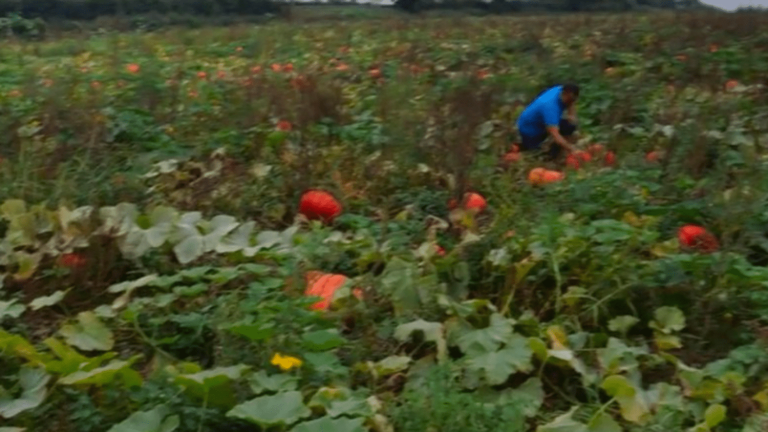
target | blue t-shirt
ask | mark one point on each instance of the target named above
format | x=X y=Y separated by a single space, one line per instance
x=545 y=111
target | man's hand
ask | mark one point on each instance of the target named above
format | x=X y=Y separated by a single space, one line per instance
x=554 y=131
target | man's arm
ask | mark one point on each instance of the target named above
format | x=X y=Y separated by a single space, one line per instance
x=559 y=140
x=572 y=114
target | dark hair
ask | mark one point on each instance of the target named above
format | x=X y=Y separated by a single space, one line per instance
x=572 y=89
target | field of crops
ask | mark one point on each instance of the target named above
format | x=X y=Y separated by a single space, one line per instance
x=158 y=272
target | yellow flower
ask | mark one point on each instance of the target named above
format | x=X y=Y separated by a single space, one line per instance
x=285 y=363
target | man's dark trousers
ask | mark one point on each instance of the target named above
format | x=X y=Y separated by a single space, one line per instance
x=534 y=143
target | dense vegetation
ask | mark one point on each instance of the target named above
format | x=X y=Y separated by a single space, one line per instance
x=153 y=263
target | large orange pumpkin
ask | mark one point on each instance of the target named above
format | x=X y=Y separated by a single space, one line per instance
x=698 y=238
x=475 y=202
x=319 y=205
x=534 y=177
x=551 y=177
x=325 y=285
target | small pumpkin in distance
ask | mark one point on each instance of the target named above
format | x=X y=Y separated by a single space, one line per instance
x=610 y=158
x=325 y=285
x=474 y=202
x=319 y=205
x=572 y=161
x=583 y=156
x=696 y=237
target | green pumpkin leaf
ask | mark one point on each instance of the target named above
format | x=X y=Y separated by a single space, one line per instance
x=714 y=415
x=528 y=398
x=11 y=309
x=33 y=391
x=433 y=332
x=496 y=367
x=281 y=409
x=88 y=334
x=622 y=324
x=392 y=365
x=486 y=340
x=564 y=423
x=328 y=424
x=262 y=383
x=323 y=340
x=189 y=249
x=47 y=301
x=603 y=423
x=668 y=320
x=155 y=420
x=105 y=375
x=213 y=384
x=630 y=399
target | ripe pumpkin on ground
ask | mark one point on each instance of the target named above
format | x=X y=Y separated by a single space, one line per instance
x=319 y=205
x=610 y=158
x=697 y=238
x=325 y=285
x=472 y=201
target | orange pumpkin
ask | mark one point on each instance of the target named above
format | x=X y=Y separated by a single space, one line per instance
x=325 y=285
x=474 y=201
x=610 y=158
x=583 y=156
x=534 y=177
x=319 y=205
x=653 y=156
x=72 y=260
x=731 y=84
x=512 y=157
x=698 y=238
x=552 y=177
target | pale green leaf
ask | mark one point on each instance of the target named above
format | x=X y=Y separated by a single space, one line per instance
x=33 y=391
x=262 y=383
x=89 y=333
x=155 y=420
x=391 y=365
x=328 y=424
x=11 y=309
x=433 y=332
x=105 y=374
x=213 y=377
x=352 y=407
x=189 y=249
x=281 y=409
x=622 y=324
x=564 y=423
x=668 y=320
x=48 y=301
x=237 y=240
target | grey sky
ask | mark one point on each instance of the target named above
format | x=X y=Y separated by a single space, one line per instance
x=733 y=4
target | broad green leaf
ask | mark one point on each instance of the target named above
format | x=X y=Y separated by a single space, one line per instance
x=618 y=357
x=631 y=402
x=155 y=420
x=106 y=374
x=433 y=332
x=27 y=264
x=33 y=391
x=11 y=309
x=262 y=383
x=323 y=340
x=71 y=361
x=496 y=367
x=486 y=340
x=602 y=422
x=622 y=324
x=352 y=407
x=189 y=249
x=215 y=385
x=756 y=423
x=668 y=320
x=237 y=240
x=714 y=415
x=47 y=301
x=88 y=334
x=328 y=424
x=667 y=342
x=564 y=423
x=528 y=397
x=281 y=409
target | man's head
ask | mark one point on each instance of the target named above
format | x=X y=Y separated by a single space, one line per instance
x=570 y=94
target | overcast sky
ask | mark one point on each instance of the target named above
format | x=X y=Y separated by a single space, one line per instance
x=733 y=4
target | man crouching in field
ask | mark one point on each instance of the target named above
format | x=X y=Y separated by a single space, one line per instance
x=543 y=118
